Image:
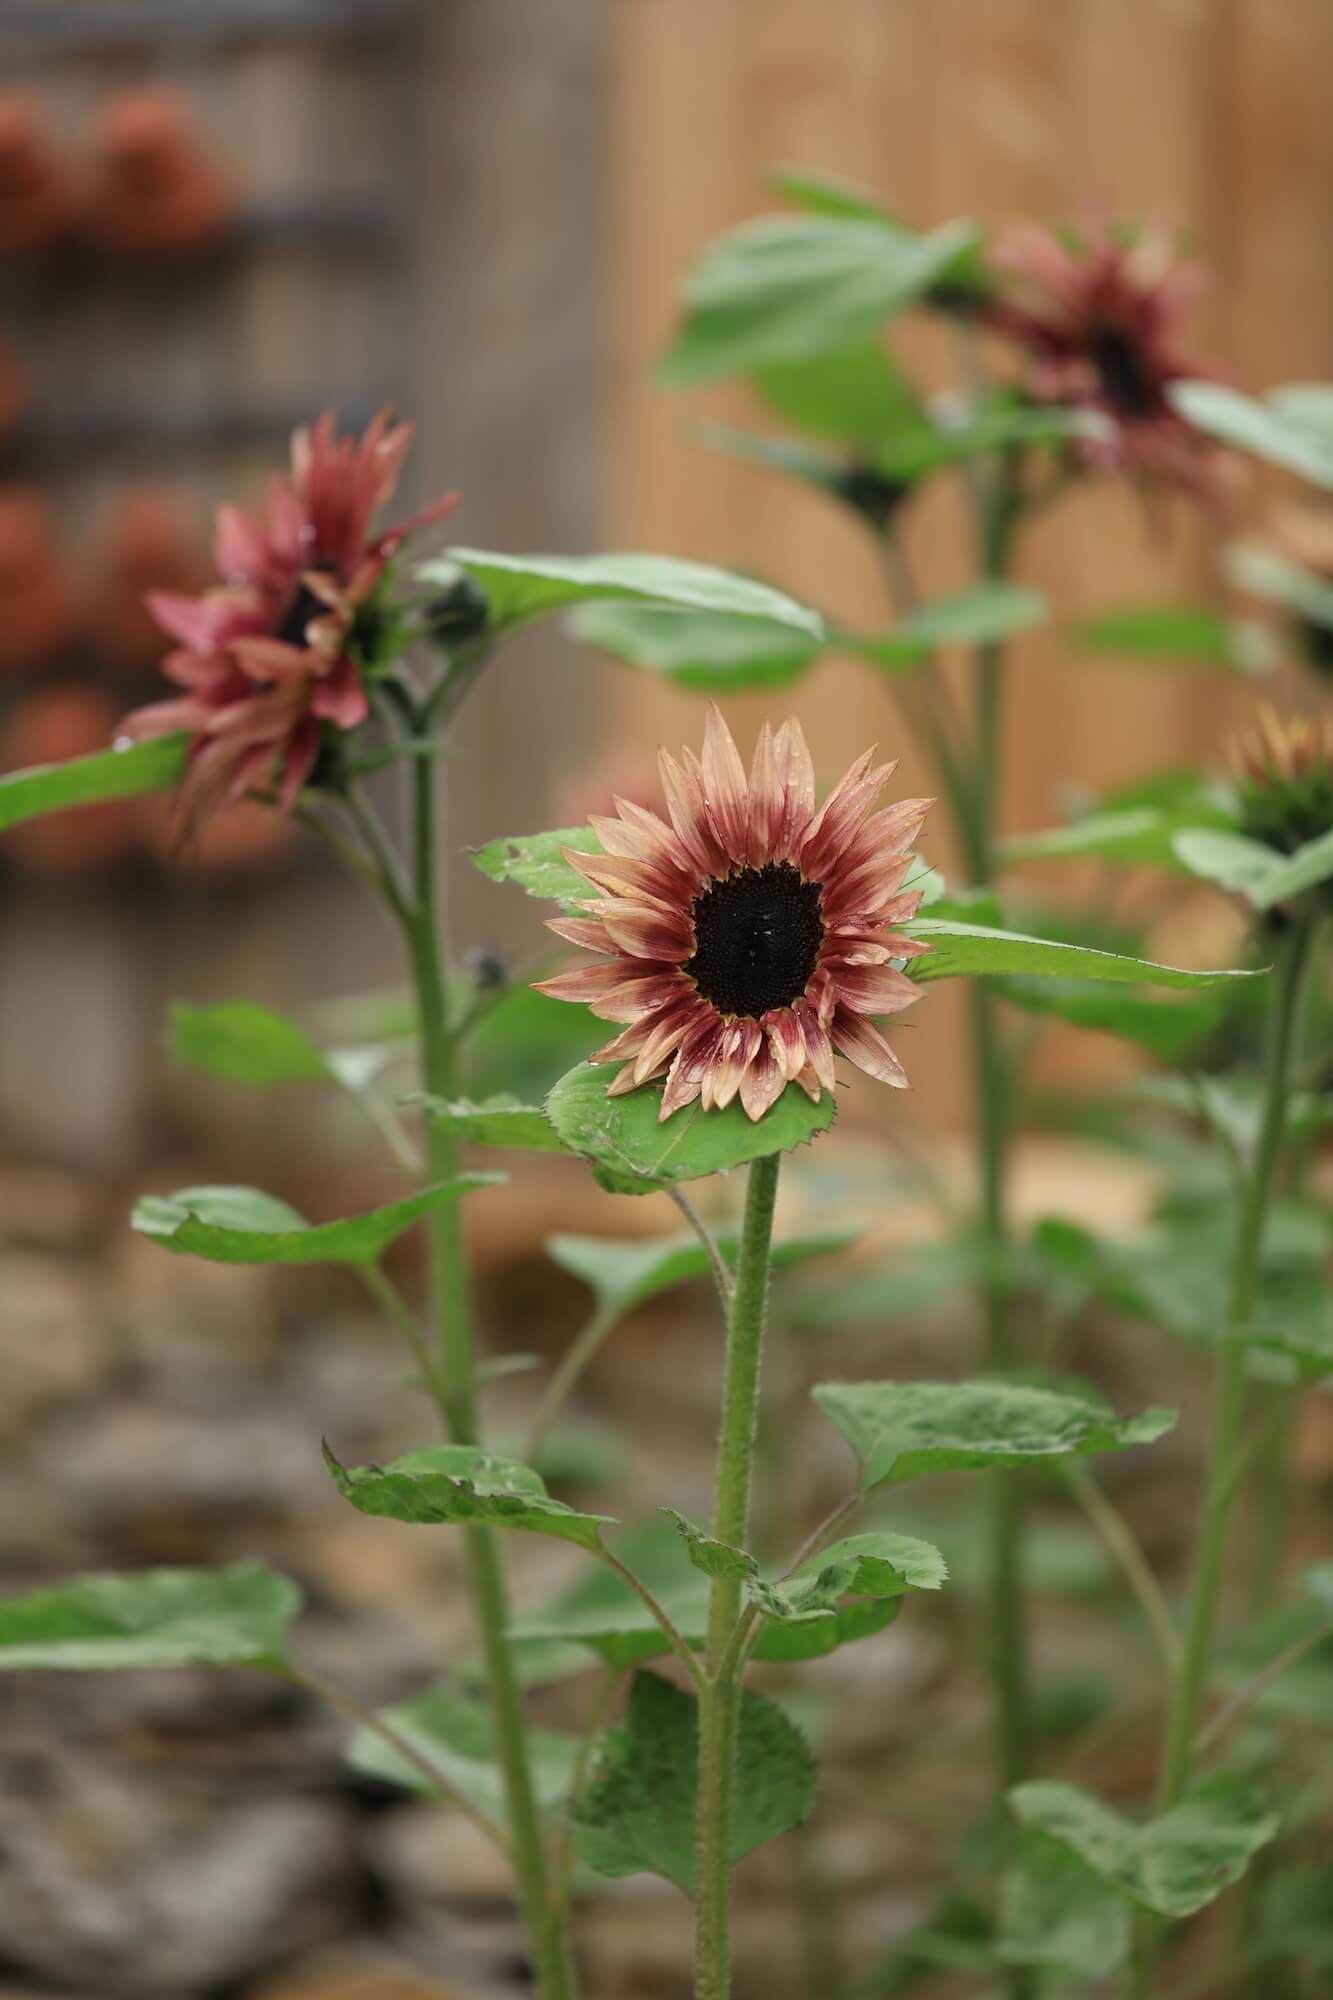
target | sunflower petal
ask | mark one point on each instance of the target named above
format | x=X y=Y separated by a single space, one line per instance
x=724 y=785
x=866 y=1047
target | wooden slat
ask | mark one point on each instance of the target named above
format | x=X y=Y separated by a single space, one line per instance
x=1208 y=117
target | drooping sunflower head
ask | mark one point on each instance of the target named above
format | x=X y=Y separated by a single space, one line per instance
x=751 y=937
x=1284 y=774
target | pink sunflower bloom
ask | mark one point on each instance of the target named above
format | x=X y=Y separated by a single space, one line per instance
x=1097 y=320
x=265 y=657
x=752 y=937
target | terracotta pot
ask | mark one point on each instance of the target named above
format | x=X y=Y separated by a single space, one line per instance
x=39 y=612
x=148 y=543
x=156 y=188
x=48 y=726
x=36 y=196
x=247 y=837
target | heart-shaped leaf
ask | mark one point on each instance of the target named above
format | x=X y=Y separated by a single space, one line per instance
x=463 y=1485
x=958 y=948
x=240 y=1225
x=786 y=287
x=902 y=1430
x=1055 y=1911
x=126 y=773
x=242 y=1042
x=630 y=1152
x=638 y=1812
x=234 y=1617
x=456 y=1738
x=1175 y=1864
x=497 y=1121
x=536 y=862
x=712 y=651
x=625 y=1272
x=518 y=588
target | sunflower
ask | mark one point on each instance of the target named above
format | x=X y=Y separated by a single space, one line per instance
x=266 y=657
x=1096 y=318
x=752 y=937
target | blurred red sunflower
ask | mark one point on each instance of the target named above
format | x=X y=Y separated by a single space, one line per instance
x=750 y=938
x=1096 y=316
x=265 y=656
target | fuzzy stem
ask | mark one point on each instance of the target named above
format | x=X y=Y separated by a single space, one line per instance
x=1220 y=1483
x=719 y=1698
x=544 y=1912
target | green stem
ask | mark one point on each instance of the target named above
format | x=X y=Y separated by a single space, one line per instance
x=1272 y=1480
x=1009 y=1637
x=719 y=1698
x=1220 y=1483
x=544 y=1911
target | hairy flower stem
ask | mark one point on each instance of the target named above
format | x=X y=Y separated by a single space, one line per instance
x=719 y=1697
x=544 y=1911
x=1220 y=1480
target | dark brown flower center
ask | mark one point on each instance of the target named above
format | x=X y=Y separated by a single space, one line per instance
x=1127 y=379
x=304 y=607
x=756 y=939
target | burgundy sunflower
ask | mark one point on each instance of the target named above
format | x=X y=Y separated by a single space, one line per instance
x=1096 y=316
x=751 y=938
x=266 y=657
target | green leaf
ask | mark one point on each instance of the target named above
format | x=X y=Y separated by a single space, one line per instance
x=233 y=1617
x=1132 y=834
x=712 y=651
x=786 y=287
x=855 y=395
x=602 y=1613
x=1180 y=634
x=969 y=618
x=461 y=1484
x=902 y=1430
x=1301 y=592
x=1175 y=1864
x=878 y=1564
x=958 y=948
x=950 y=435
x=456 y=1738
x=712 y=1557
x=240 y=1225
x=497 y=1121
x=86 y=781
x=828 y=194
x=1284 y=434
x=535 y=862
x=1248 y=868
x=1055 y=1912
x=242 y=1042
x=1305 y=868
x=631 y=1153
x=523 y=1043
x=1167 y=1029
x=637 y=1815
x=518 y=588
x=820 y=469
x=624 y=1273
